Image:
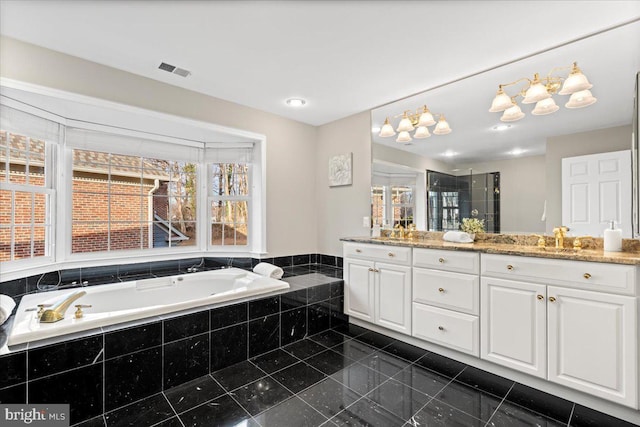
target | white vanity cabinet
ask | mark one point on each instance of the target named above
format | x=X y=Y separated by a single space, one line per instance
x=560 y=320
x=378 y=285
x=445 y=303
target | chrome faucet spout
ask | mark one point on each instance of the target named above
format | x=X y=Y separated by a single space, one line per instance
x=58 y=310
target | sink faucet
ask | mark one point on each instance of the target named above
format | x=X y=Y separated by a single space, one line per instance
x=399 y=231
x=58 y=310
x=560 y=233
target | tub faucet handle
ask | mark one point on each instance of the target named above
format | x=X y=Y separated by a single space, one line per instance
x=79 y=313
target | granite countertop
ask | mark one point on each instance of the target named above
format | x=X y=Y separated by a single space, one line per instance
x=491 y=247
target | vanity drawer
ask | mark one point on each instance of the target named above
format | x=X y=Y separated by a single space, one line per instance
x=461 y=262
x=445 y=327
x=444 y=289
x=580 y=274
x=390 y=254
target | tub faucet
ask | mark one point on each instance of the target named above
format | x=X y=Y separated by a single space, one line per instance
x=58 y=310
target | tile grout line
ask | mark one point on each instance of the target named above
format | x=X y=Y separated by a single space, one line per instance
x=500 y=404
x=573 y=408
x=172 y=408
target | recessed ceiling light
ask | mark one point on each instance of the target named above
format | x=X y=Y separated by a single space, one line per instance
x=295 y=102
x=516 y=151
x=449 y=153
x=501 y=127
x=375 y=129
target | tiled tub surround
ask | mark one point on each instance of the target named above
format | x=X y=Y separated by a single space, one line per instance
x=352 y=376
x=116 y=366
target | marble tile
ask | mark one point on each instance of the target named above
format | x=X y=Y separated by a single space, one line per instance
x=509 y=414
x=359 y=378
x=329 y=397
x=354 y=349
x=238 y=375
x=264 y=335
x=329 y=338
x=81 y=387
x=327 y=260
x=469 y=400
x=185 y=360
x=14 y=369
x=375 y=339
x=437 y=413
x=193 y=393
x=329 y=362
x=406 y=351
x=229 y=315
x=228 y=346
x=298 y=376
x=367 y=413
x=93 y=422
x=351 y=330
x=283 y=261
x=260 y=395
x=587 y=417
x=319 y=293
x=126 y=341
x=293 y=299
x=223 y=411
x=301 y=259
x=540 y=402
x=304 y=349
x=132 y=377
x=100 y=275
x=185 y=326
x=293 y=325
x=264 y=307
x=337 y=289
x=147 y=412
x=424 y=380
x=319 y=318
x=398 y=398
x=67 y=355
x=14 y=394
x=441 y=364
x=274 y=361
x=385 y=363
x=171 y=422
x=14 y=287
x=485 y=381
x=291 y=412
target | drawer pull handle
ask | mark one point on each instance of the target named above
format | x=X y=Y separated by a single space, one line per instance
x=510 y=267
x=441 y=260
x=391 y=254
x=358 y=251
x=586 y=276
x=372 y=269
x=552 y=299
x=441 y=328
x=441 y=290
x=540 y=297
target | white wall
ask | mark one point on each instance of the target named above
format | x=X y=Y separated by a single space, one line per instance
x=401 y=157
x=291 y=146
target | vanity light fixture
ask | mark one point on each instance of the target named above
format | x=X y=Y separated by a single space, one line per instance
x=295 y=102
x=540 y=91
x=418 y=122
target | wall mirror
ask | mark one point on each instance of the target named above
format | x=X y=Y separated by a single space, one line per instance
x=527 y=154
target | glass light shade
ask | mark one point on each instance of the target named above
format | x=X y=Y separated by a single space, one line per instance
x=387 y=129
x=575 y=82
x=426 y=118
x=405 y=124
x=581 y=99
x=536 y=92
x=512 y=114
x=403 y=137
x=442 y=128
x=501 y=102
x=422 y=132
x=546 y=106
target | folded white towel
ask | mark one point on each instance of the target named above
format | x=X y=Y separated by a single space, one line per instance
x=269 y=270
x=457 y=236
x=6 y=307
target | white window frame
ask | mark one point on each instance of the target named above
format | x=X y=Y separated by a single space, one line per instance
x=140 y=121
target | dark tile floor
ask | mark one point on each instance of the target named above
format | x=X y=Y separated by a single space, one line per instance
x=353 y=377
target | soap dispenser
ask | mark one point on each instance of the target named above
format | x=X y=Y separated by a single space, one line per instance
x=613 y=239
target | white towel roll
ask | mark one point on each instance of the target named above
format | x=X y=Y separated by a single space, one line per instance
x=7 y=305
x=457 y=236
x=268 y=270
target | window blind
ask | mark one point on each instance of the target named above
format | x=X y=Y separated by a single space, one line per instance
x=21 y=123
x=226 y=152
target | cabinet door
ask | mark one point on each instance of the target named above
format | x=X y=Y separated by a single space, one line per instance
x=393 y=297
x=358 y=288
x=592 y=343
x=513 y=325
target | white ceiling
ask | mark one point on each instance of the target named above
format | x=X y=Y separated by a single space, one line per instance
x=342 y=57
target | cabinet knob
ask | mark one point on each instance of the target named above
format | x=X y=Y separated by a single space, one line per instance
x=441 y=290
x=371 y=269
x=441 y=328
x=375 y=270
x=391 y=254
x=358 y=251
x=586 y=275
x=540 y=297
x=552 y=299
x=441 y=260
x=509 y=267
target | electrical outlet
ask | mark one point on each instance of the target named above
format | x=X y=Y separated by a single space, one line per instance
x=366 y=222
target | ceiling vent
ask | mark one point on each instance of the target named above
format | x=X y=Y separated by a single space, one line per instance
x=174 y=70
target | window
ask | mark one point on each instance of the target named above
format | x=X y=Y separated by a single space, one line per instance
x=402 y=205
x=25 y=186
x=229 y=203
x=131 y=202
x=392 y=205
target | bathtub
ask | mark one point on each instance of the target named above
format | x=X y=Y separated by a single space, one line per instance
x=122 y=302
